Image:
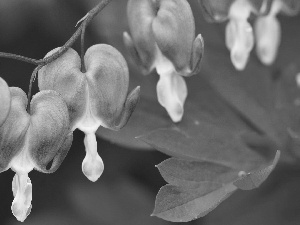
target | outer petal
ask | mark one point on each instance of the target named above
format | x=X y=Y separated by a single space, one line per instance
x=140 y=15
x=5 y=101
x=64 y=76
x=174 y=31
x=12 y=132
x=107 y=76
x=171 y=93
x=215 y=10
x=49 y=132
x=197 y=54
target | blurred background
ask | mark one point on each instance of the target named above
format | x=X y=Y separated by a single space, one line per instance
x=126 y=191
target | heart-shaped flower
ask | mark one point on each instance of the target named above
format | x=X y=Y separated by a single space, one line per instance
x=33 y=140
x=97 y=97
x=163 y=38
x=268 y=30
x=5 y=100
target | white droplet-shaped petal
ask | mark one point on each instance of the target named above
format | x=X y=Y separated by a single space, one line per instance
x=268 y=34
x=172 y=92
x=239 y=33
x=92 y=165
x=240 y=41
x=171 y=88
x=22 y=190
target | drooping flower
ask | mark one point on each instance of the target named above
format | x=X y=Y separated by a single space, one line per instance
x=268 y=31
x=33 y=140
x=162 y=37
x=239 y=35
x=97 y=97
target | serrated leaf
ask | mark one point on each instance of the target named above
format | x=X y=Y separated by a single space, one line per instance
x=189 y=196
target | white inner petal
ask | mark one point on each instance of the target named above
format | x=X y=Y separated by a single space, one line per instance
x=92 y=165
x=239 y=33
x=22 y=190
x=21 y=185
x=171 y=88
x=240 y=41
x=268 y=34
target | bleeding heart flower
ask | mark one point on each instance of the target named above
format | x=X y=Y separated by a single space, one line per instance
x=163 y=38
x=5 y=100
x=97 y=97
x=33 y=140
x=268 y=31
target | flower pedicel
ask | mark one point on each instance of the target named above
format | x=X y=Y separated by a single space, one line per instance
x=95 y=98
x=162 y=37
x=32 y=140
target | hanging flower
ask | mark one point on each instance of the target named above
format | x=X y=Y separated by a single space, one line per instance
x=33 y=140
x=239 y=36
x=268 y=31
x=97 y=97
x=162 y=37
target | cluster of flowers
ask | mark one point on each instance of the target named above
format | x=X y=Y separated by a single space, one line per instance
x=239 y=33
x=162 y=37
x=40 y=137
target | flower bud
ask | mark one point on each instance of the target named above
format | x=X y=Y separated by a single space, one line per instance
x=33 y=140
x=4 y=101
x=95 y=98
x=162 y=37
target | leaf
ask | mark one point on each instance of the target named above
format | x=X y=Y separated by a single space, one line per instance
x=180 y=201
x=178 y=205
x=210 y=143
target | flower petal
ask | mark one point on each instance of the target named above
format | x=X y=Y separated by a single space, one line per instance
x=108 y=79
x=215 y=10
x=174 y=31
x=49 y=130
x=92 y=165
x=64 y=76
x=22 y=190
x=13 y=131
x=140 y=14
x=240 y=41
x=172 y=92
x=197 y=54
x=268 y=35
x=5 y=101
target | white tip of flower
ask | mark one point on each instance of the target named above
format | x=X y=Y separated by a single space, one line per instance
x=22 y=191
x=92 y=165
x=268 y=35
x=240 y=41
x=171 y=93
